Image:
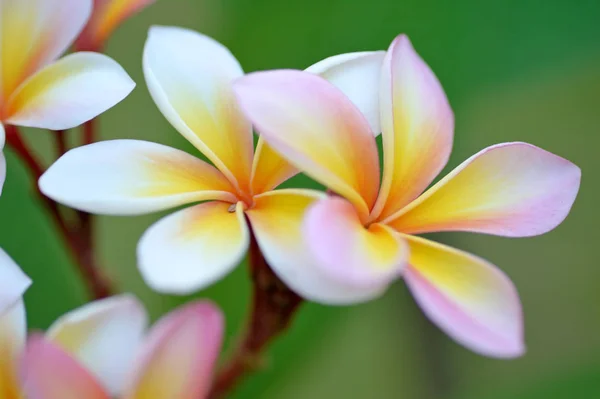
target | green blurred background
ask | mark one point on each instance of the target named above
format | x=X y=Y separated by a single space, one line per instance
x=513 y=70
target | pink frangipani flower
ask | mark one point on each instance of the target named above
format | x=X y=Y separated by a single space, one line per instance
x=36 y=90
x=190 y=77
x=175 y=360
x=364 y=235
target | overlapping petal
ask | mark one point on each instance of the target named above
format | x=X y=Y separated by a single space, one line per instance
x=468 y=298
x=106 y=17
x=269 y=168
x=104 y=336
x=317 y=128
x=189 y=76
x=349 y=251
x=276 y=220
x=13 y=282
x=13 y=328
x=178 y=359
x=69 y=92
x=417 y=124
x=194 y=247
x=128 y=177
x=34 y=33
x=357 y=75
x=47 y=372
x=511 y=189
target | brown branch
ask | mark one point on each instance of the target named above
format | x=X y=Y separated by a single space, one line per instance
x=78 y=244
x=273 y=308
x=61 y=141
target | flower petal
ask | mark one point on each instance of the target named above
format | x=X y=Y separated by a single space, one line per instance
x=189 y=76
x=106 y=17
x=13 y=330
x=69 y=92
x=417 y=124
x=350 y=252
x=129 y=177
x=317 y=128
x=276 y=220
x=357 y=75
x=13 y=282
x=104 y=336
x=34 y=33
x=467 y=297
x=193 y=248
x=2 y=170
x=180 y=354
x=511 y=189
x=269 y=169
x=47 y=372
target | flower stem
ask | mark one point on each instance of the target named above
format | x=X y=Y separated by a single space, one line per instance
x=61 y=141
x=77 y=238
x=273 y=308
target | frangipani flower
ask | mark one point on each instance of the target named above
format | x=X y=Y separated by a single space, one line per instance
x=189 y=76
x=13 y=282
x=176 y=359
x=38 y=91
x=104 y=336
x=106 y=17
x=364 y=235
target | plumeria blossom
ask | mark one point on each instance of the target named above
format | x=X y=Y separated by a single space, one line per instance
x=36 y=89
x=190 y=79
x=106 y=17
x=364 y=236
x=175 y=360
x=104 y=336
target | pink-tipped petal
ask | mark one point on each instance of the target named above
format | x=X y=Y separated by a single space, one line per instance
x=189 y=76
x=13 y=282
x=13 y=330
x=106 y=17
x=318 y=129
x=69 y=92
x=104 y=336
x=417 y=124
x=178 y=359
x=35 y=33
x=357 y=75
x=47 y=372
x=276 y=219
x=129 y=177
x=193 y=248
x=347 y=250
x=467 y=297
x=511 y=189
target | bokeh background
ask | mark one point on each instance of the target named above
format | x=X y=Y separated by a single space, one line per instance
x=513 y=70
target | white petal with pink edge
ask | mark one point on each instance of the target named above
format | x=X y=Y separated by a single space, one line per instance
x=47 y=372
x=179 y=356
x=511 y=189
x=104 y=336
x=193 y=248
x=69 y=92
x=357 y=75
x=315 y=127
x=130 y=177
x=347 y=250
x=417 y=124
x=467 y=297
x=277 y=218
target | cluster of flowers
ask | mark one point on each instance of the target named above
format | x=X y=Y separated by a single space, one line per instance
x=346 y=246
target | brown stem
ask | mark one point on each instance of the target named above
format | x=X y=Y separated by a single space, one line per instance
x=77 y=243
x=273 y=308
x=61 y=141
x=89 y=131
